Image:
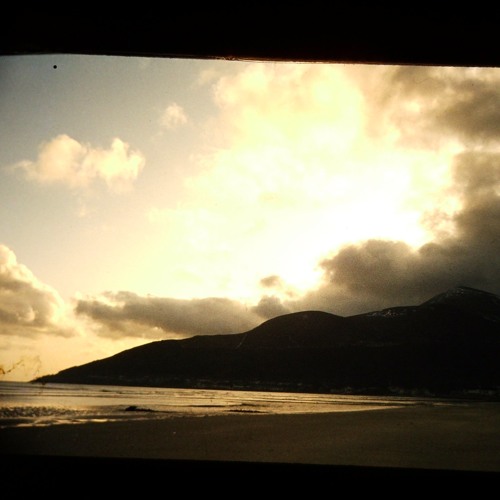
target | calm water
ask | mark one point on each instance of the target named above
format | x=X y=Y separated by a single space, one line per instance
x=26 y=404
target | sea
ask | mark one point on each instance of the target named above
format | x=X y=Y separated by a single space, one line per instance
x=25 y=404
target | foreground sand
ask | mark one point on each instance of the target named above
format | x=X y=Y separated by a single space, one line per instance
x=427 y=437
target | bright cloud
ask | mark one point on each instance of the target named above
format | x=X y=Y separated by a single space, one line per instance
x=66 y=161
x=173 y=116
x=28 y=307
x=305 y=107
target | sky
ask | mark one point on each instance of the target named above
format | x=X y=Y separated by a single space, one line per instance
x=144 y=199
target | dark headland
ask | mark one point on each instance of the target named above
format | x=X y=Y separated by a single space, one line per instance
x=446 y=346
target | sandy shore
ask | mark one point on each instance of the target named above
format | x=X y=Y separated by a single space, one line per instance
x=429 y=437
x=395 y=451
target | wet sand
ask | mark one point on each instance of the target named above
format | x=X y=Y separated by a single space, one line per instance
x=458 y=437
x=423 y=438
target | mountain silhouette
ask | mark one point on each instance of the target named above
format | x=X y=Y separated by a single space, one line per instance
x=448 y=345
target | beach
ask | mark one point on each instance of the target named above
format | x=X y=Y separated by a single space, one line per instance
x=450 y=437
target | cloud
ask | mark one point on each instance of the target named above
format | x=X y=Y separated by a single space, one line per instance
x=273 y=162
x=173 y=116
x=66 y=161
x=449 y=110
x=273 y=281
x=358 y=277
x=378 y=273
x=312 y=107
x=127 y=314
x=448 y=119
x=28 y=307
x=431 y=105
x=269 y=307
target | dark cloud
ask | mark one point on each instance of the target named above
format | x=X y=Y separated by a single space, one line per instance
x=268 y=303
x=477 y=176
x=475 y=114
x=273 y=281
x=378 y=273
x=128 y=314
x=430 y=104
x=270 y=307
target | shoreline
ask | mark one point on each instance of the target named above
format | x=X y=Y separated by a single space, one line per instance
x=453 y=438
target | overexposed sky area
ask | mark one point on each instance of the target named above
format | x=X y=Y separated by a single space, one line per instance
x=147 y=199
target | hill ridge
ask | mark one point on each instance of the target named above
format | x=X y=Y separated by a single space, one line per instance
x=449 y=344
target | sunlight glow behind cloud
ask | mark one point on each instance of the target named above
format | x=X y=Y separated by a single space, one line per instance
x=294 y=168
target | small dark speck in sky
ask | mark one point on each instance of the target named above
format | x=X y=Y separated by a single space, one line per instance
x=55 y=66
